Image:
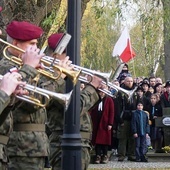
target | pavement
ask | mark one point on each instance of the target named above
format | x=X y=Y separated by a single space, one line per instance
x=153 y=163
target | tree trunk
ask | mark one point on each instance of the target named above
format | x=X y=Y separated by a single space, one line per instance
x=29 y=10
x=166 y=7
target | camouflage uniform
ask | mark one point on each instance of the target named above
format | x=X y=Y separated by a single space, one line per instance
x=55 y=113
x=28 y=139
x=5 y=129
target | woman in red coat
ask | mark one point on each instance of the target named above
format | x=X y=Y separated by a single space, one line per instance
x=102 y=118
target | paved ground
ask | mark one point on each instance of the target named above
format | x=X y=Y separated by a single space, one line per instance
x=113 y=163
x=155 y=162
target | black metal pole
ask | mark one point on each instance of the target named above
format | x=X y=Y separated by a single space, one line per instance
x=71 y=139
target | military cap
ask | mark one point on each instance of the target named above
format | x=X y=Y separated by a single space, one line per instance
x=23 y=31
x=54 y=39
x=167 y=83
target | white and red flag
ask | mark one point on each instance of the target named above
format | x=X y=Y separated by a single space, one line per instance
x=123 y=48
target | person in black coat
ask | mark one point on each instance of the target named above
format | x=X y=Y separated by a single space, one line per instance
x=156 y=133
x=145 y=85
x=165 y=97
x=141 y=97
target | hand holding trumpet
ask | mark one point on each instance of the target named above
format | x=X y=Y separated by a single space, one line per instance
x=32 y=57
x=11 y=83
x=96 y=82
x=65 y=63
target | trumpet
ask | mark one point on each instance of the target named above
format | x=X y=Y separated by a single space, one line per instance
x=91 y=73
x=62 y=98
x=82 y=70
x=50 y=69
x=104 y=76
x=128 y=93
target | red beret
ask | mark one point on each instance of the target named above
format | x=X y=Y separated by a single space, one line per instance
x=54 y=39
x=23 y=31
x=0 y=8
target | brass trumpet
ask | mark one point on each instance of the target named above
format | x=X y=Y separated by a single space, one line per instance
x=62 y=98
x=73 y=75
x=82 y=70
x=128 y=93
x=105 y=76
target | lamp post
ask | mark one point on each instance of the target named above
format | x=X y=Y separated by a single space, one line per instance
x=71 y=139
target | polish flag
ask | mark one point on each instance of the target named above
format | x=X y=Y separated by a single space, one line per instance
x=123 y=48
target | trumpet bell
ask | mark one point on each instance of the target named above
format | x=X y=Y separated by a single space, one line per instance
x=62 y=98
x=128 y=93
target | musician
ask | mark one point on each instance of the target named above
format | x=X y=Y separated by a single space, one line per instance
x=55 y=111
x=28 y=143
x=8 y=85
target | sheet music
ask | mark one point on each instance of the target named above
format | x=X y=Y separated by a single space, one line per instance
x=62 y=44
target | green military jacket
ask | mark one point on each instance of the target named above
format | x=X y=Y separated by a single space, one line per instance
x=55 y=110
x=88 y=98
x=26 y=143
x=6 y=127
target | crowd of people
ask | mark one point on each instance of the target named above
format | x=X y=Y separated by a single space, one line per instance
x=136 y=108
x=123 y=121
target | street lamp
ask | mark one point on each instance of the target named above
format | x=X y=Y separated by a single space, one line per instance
x=71 y=139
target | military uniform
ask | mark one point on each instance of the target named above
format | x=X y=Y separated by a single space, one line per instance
x=28 y=143
x=89 y=97
x=5 y=129
x=55 y=112
x=28 y=138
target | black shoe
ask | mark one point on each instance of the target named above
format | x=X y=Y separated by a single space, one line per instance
x=98 y=159
x=105 y=159
x=121 y=158
x=137 y=160
x=144 y=160
x=131 y=159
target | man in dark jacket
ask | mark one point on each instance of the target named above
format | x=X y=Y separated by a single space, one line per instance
x=124 y=134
